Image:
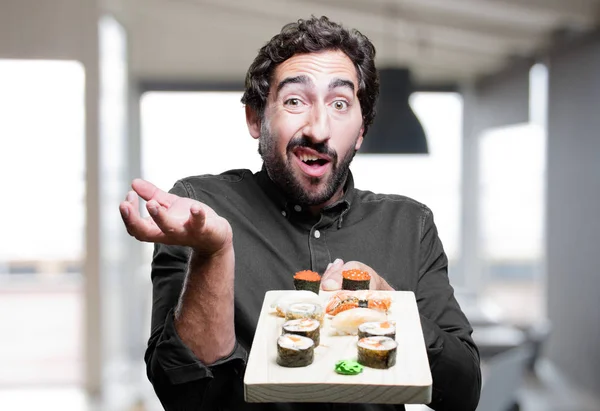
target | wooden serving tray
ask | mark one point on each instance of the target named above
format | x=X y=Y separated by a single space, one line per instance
x=407 y=382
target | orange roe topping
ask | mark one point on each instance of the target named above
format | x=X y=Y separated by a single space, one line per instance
x=307 y=275
x=356 y=275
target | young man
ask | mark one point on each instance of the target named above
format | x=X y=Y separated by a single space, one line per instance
x=310 y=96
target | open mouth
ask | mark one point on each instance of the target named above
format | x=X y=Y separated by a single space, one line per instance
x=311 y=162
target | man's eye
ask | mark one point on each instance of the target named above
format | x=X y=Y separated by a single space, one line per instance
x=294 y=102
x=340 y=105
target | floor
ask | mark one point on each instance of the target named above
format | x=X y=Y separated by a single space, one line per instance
x=42 y=333
x=547 y=390
x=545 y=393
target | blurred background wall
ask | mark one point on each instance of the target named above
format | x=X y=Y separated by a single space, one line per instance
x=573 y=231
x=94 y=93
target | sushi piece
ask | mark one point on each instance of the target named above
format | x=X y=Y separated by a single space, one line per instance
x=347 y=322
x=297 y=311
x=355 y=279
x=282 y=304
x=306 y=327
x=307 y=280
x=377 y=329
x=377 y=352
x=346 y=300
x=294 y=350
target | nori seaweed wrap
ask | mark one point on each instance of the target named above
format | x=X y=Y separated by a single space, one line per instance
x=306 y=327
x=377 y=352
x=295 y=350
x=307 y=280
x=355 y=279
x=377 y=329
x=297 y=311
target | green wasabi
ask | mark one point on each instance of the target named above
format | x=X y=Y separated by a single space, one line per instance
x=348 y=367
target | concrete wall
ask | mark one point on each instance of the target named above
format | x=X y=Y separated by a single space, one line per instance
x=573 y=220
x=53 y=29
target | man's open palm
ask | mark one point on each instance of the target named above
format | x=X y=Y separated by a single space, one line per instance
x=174 y=220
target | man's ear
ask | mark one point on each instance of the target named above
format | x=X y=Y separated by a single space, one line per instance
x=360 y=138
x=253 y=121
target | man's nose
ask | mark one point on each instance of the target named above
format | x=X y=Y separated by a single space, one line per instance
x=317 y=125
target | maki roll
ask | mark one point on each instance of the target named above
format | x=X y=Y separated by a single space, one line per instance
x=294 y=350
x=281 y=305
x=376 y=329
x=297 y=311
x=377 y=352
x=306 y=327
x=355 y=279
x=307 y=280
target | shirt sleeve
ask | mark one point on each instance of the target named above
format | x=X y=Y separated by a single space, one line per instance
x=180 y=380
x=453 y=356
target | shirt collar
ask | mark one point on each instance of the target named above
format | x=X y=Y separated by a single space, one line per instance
x=337 y=209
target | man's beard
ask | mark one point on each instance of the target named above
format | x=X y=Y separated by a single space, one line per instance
x=281 y=171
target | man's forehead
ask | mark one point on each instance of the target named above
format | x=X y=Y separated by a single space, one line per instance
x=324 y=65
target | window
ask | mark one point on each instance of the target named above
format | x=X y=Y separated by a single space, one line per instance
x=433 y=179
x=192 y=133
x=512 y=164
x=42 y=220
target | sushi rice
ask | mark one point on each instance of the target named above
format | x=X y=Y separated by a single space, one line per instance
x=294 y=350
x=377 y=352
x=306 y=327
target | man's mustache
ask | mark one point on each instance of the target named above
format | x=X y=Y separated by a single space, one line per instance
x=321 y=148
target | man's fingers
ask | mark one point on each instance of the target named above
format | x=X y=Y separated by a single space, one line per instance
x=139 y=228
x=158 y=213
x=130 y=207
x=125 y=210
x=133 y=199
x=333 y=267
x=198 y=217
x=149 y=191
x=331 y=285
x=332 y=277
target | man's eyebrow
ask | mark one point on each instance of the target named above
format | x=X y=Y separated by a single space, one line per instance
x=338 y=82
x=293 y=80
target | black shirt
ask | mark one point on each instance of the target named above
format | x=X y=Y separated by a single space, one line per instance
x=273 y=239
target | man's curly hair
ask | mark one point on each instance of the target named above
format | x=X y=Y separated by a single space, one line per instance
x=310 y=36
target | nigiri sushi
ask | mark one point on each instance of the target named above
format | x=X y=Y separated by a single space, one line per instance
x=347 y=322
x=345 y=300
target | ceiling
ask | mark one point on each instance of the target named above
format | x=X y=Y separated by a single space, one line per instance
x=441 y=41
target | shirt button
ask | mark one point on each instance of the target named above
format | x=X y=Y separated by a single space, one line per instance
x=297 y=208
x=283 y=213
x=317 y=234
